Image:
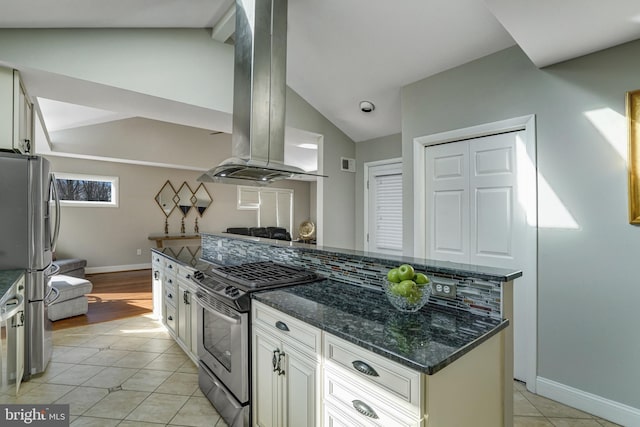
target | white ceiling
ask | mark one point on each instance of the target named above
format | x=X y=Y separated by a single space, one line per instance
x=341 y=52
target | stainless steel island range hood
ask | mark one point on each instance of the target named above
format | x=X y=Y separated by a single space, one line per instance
x=259 y=96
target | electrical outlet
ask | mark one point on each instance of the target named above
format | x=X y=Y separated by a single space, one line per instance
x=444 y=289
x=138 y=251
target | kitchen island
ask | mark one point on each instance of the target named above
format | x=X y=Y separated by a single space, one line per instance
x=454 y=353
x=327 y=353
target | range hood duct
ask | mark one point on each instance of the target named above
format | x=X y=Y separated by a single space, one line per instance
x=259 y=96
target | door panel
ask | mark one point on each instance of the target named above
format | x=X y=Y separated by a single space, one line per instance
x=448 y=222
x=494 y=224
x=447 y=217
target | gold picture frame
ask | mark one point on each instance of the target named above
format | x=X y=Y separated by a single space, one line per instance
x=633 y=121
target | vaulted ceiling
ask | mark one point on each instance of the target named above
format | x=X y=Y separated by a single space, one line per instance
x=342 y=52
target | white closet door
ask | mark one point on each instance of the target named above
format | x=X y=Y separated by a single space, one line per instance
x=385 y=209
x=494 y=207
x=447 y=199
x=474 y=215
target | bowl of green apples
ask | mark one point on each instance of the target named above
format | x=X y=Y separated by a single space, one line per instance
x=405 y=289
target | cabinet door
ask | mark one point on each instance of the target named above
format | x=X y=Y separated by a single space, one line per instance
x=22 y=117
x=301 y=380
x=267 y=390
x=156 y=292
x=184 y=315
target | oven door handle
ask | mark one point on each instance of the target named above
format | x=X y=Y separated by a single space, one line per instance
x=212 y=310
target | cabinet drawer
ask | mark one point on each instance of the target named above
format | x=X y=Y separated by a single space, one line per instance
x=389 y=376
x=361 y=404
x=305 y=337
x=156 y=260
x=170 y=294
x=171 y=266
x=170 y=318
x=184 y=273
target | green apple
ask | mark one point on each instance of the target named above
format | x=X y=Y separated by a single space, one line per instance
x=393 y=276
x=421 y=279
x=405 y=272
x=406 y=288
x=415 y=296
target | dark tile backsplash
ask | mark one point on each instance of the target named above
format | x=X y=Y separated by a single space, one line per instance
x=474 y=294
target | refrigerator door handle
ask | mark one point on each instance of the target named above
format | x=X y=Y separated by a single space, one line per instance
x=56 y=199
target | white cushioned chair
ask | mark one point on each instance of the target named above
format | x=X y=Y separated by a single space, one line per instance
x=71 y=300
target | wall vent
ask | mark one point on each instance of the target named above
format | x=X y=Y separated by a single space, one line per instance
x=348 y=165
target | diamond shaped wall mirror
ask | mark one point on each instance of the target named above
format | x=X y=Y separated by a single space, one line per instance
x=184 y=199
x=202 y=199
x=165 y=198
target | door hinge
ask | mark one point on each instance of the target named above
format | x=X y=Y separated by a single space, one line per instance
x=367 y=237
x=367 y=184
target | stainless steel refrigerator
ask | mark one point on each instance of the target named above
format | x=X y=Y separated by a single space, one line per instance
x=29 y=224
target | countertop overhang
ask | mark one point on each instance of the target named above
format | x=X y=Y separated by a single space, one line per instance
x=426 y=341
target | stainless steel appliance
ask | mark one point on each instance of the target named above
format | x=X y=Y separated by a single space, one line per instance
x=224 y=330
x=259 y=97
x=29 y=224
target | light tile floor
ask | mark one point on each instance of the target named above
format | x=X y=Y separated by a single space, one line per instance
x=531 y=410
x=127 y=373
x=130 y=373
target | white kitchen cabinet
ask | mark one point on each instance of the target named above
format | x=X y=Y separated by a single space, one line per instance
x=186 y=333
x=377 y=391
x=305 y=377
x=156 y=285
x=174 y=302
x=16 y=114
x=286 y=370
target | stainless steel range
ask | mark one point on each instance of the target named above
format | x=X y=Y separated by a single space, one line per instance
x=224 y=330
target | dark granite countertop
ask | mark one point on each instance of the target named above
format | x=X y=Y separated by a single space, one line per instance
x=426 y=341
x=7 y=279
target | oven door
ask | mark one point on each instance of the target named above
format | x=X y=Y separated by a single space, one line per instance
x=223 y=344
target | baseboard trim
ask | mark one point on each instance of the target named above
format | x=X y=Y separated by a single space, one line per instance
x=608 y=409
x=116 y=268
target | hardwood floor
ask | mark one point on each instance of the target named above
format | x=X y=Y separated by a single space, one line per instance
x=114 y=296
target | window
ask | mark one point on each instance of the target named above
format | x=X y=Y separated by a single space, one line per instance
x=87 y=190
x=274 y=206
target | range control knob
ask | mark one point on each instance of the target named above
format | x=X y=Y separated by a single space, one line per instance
x=231 y=291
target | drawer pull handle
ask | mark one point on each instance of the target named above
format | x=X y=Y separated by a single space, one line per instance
x=282 y=326
x=364 y=409
x=170 y=318
x=169 y=296
x=363 y=367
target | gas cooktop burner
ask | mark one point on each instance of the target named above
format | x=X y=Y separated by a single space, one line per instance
x=266 y=274
x=233 y=283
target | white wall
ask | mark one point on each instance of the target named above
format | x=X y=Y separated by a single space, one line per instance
x=109 y=237
x=588 y=278
x=387 y=147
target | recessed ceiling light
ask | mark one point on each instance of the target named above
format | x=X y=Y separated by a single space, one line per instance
x=367 y=106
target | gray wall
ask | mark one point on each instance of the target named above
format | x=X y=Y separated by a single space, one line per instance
x=588 y=283
x=109 y=237
x=387 y=147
